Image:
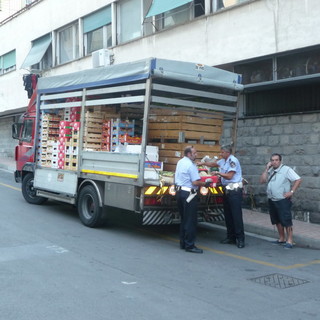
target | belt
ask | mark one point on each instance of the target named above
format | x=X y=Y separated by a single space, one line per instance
x=185 y=189
x=234 y=185
x=192 y=192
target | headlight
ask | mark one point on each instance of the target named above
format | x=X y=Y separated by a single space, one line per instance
x=172 y=190
x=204 y=191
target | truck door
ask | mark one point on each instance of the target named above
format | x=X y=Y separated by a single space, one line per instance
x=25 y=149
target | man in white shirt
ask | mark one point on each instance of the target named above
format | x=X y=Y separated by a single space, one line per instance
x=282 y=182
x=187 y=181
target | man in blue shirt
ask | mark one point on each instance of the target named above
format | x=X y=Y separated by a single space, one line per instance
x=187 y=181
x=231 y=180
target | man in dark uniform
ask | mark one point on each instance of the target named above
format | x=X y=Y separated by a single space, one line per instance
x=187 y=181
x=231 y=179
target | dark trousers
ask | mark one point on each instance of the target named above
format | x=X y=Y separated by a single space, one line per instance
x=232 y=200
x=188 y=214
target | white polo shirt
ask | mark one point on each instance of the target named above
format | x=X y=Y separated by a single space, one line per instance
x=280 y=182
x=186 y=172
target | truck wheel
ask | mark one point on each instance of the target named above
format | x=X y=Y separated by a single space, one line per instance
x=28 y=191
x=90 y=213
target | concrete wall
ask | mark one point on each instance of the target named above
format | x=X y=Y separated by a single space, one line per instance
x=7 y=144
x=297 y=139
x=252 y=29
x=9 y=7
x=42 y=18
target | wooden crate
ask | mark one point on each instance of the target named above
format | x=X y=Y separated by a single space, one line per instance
x=171 y=153
x=101 y=113
x=92 y=137
x=173 y=132
x=92 y=130
x=186 y=127
x=93 y=122
x=92 y=146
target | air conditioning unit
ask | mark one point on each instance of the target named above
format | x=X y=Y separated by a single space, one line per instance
x=101 y=58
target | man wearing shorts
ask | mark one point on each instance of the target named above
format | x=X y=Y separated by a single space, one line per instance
x=282 y=182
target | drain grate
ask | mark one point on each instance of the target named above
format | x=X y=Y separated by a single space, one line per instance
x=280 y=281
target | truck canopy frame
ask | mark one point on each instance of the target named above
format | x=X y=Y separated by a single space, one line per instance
x=139 y=70
x=145 y=84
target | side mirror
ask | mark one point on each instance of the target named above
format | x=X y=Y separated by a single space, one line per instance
x=16 y=128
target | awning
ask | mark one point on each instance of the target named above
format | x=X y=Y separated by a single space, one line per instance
x=37 y=51
x=97 y=19
x=160 y=6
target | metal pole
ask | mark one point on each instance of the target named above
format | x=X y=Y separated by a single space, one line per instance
x=144 y=141
x=235 y=127
x=81 y=132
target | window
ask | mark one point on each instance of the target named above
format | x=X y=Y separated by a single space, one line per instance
x=175 y=16
x=130 y=20
x=164 y=14
x=68 y=44
x=46 y=62
x=255 y=72
x=291 y=99
x=97 y=30
x=299 y=64
x=199 y=8
x=280 y=67
x=26 y=134
x=221 y=4
x=98 y=39
x=8 y=62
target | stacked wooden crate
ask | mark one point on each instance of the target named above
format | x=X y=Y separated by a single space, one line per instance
x=97 y=127
x=92 y=130
x=48 y=139
x=174 y=131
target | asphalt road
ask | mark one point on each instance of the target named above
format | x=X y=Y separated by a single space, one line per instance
x=53 y=267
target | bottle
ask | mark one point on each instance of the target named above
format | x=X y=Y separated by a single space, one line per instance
x=214 y=169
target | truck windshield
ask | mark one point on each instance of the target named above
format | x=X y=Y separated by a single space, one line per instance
x=26 y=134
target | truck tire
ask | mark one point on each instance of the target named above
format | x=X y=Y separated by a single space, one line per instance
x=28 y=192
x=90 y=213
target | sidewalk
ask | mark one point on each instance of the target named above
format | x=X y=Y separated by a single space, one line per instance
x=7 y=164
x=304 y=234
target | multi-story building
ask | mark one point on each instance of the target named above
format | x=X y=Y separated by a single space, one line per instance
x=274 y=44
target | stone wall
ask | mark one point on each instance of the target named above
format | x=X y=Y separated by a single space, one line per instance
x=297 y=139
x=7 y=144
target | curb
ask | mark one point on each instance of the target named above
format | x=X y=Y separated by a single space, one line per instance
x=258 y=231
x=299 y=240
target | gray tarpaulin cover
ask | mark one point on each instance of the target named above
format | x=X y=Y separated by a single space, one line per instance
x=138 y=70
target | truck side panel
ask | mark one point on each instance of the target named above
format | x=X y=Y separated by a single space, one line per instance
x=115 y=166
x=56 y=181
x=121 y=196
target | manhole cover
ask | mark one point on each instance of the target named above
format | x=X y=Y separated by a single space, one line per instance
x=280 y=281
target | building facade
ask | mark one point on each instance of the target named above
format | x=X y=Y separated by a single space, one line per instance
x=274 y=44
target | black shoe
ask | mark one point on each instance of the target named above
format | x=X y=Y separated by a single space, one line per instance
x=194 y=250
x=240 y=244
x=182 y=246
x=228 y=241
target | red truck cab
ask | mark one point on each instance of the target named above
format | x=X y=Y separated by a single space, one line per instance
x=24 y=131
